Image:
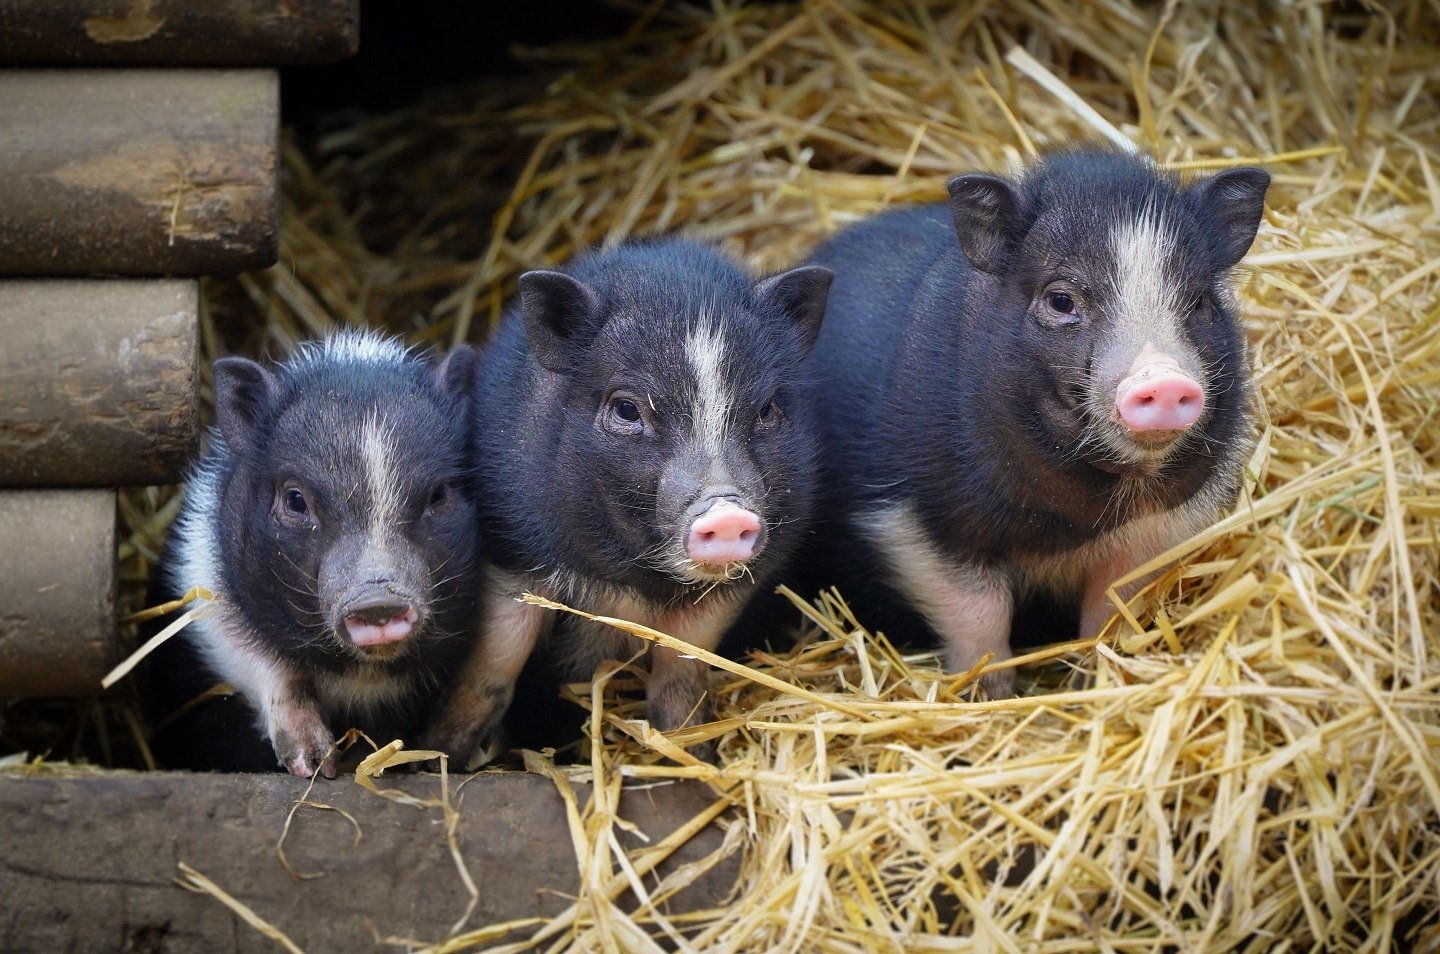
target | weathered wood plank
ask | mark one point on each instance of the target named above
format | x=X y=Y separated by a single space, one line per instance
x=138 y=172
x=57 y=591
x=178 y=32
x=97 y=382
x=87 y=863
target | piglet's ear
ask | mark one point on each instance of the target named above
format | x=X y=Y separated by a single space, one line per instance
x=1234 y=200
x=455 y=374
x=243 y=390
x=800 y=294
x=984 y=208
x=555 y=307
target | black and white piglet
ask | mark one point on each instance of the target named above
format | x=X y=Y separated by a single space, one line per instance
x=333 y=516
x=1032 y=390
x=645 y=452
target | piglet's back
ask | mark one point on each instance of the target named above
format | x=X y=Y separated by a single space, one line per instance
x=887 y=269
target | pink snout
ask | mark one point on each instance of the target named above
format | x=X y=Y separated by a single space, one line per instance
x=380 y=625
x=1157 y=401
x=726 y=533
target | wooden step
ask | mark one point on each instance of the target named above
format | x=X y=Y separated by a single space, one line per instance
x=138 y=172
x=89 y=863
x=178 y=32
x=97 y=382
x=57 y=591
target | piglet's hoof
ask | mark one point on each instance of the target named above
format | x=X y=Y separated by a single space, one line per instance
x=467 y=746
x=668 y=713
x=999 y=684
x=705 y=752
x=679 y=705
x=303 y=756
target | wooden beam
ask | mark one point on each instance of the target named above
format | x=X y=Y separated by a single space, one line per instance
x=138 y=172
x=178 y=32
x=98 y=382
x=89 y=863
x=57 y=591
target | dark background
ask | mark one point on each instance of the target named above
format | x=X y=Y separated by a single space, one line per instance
x=409 y=47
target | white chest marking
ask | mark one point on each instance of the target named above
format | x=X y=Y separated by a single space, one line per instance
x=968 y=605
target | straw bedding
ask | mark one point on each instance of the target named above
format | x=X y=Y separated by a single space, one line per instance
x=1247 y=760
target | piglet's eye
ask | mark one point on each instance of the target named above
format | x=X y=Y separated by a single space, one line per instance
x=769 y=415
x=1058 y=308
x=293 y=507
x=622 y=416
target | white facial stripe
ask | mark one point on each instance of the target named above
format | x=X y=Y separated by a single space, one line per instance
x=1146 y=303
x=376 y=447
x=705 y=350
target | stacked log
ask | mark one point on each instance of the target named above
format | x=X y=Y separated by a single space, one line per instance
x=119 y=187
x=178 y=32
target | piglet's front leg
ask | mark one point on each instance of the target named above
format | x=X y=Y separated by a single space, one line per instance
x=969 y=606
x=1144 y=540
x=678 y=693
x=1096 y=607
x=972 y=613
x=289 y=713
x=469 y=726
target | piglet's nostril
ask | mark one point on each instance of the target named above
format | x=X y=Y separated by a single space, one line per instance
x=729 y=532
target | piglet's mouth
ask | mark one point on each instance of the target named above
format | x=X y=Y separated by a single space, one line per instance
x=693 y=572
x=380 y=626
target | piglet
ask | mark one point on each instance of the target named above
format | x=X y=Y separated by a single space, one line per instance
x=1032 y=390
x=333 y=517
x=645 y=451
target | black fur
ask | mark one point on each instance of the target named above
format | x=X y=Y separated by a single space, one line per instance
x=946 y=392
x=283 y=576
x=560 y=493
x=592 y=468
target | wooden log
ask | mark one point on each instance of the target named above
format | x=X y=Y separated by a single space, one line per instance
x=88 y=863
x=57 y=591
x=138 y=172
x=98 y=382
x=178 y=32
